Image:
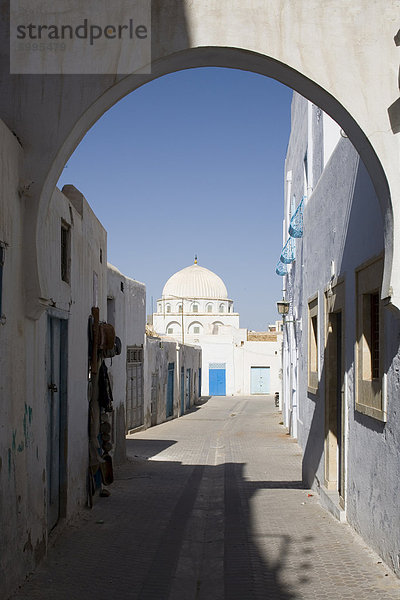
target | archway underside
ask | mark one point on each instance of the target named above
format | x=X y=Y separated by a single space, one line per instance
x=233 y=58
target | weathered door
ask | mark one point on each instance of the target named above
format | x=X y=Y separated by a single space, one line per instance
x=154 y=399
x=217 y=379
x=170 y=389
x=260 y=380
x=134 y=387
x=199 y=382
x=188 y=390
x=182 y=390
x=334 y=443
x=56 y=359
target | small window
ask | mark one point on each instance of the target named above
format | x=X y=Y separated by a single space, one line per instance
x=159 y=308
x=170 y=330
x=374 y=306
x=196 y=329
x=111 y=311
x=313 y=346
x=209 y=308
x=101 y=256
x=122 y=286
x=195 y=308
x=221 y=308
x=180 y=308
x=65 y=252
x=369 y=392
x=168 y=308
x=134 y=354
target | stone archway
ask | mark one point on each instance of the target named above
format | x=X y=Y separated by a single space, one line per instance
x=331 y=53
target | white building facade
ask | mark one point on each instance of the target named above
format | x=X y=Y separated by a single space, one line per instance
x=195 y=308
x=340 y=349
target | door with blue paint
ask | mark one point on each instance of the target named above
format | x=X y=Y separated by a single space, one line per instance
x=182 y=390
x=170 y=390
x=217 y=379
x=260 y=380
x=199 y=382
x=56 y=369
x=188 y=390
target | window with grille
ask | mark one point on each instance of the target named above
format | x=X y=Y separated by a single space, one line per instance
x=196 y=329
x=134 y=354
x=195 y=308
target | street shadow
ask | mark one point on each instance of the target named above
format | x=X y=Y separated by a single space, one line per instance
x=171 y=530
x=145 y=449
x=202 y=400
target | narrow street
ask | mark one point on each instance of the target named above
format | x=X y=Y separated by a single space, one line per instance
x=210 y=506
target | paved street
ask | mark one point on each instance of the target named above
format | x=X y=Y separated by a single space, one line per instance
x=210 y=506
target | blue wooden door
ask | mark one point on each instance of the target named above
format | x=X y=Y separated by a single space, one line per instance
x=199 y=382
x=260 y=380
x=182 y=390
x=56 y=360
x=170 y=390
x=217 y=380
x=188 y=390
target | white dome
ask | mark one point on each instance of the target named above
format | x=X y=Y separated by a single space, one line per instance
x=195 y=282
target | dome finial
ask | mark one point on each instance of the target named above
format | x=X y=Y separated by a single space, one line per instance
x=195 y=259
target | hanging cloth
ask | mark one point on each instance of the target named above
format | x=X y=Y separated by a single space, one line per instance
x=296 y=222
x=288 y=252
x=281 y=268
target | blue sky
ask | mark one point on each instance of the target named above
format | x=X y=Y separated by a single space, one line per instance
x=193 y=163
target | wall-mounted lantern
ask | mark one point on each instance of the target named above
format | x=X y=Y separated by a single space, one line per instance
x=283 y=307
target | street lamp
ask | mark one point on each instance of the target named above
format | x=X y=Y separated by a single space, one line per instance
x=283 y=307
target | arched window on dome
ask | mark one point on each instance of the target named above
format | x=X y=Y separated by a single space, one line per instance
x=215 y=327
x=168 y=308
x=209 y=308
x=195 y=307
x=180 y=307
x=195 y=328
x=173 y=328
x=159 y=307
x=221 y=308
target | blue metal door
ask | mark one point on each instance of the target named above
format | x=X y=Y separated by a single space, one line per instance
x=170 y=390
x=182 y=390
x=217 y=380
x=260 y=380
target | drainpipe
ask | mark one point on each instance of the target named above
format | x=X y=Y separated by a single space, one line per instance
x=286 y=362
x=310 y=150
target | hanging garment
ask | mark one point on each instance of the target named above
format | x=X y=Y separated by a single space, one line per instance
x=105 y=391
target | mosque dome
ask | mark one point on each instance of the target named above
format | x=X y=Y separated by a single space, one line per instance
x=195 y=282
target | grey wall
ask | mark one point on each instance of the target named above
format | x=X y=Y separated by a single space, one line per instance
x=343 y=223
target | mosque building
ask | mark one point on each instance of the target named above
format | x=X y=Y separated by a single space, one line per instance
x=195 y=308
